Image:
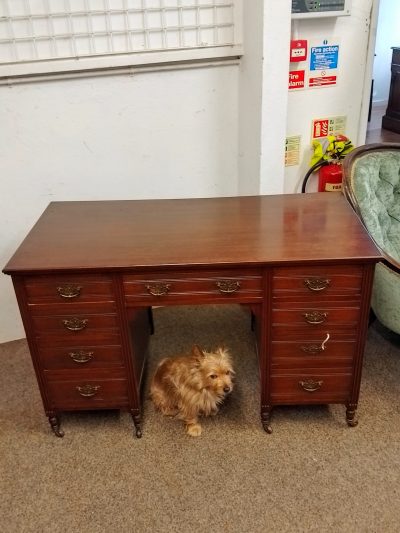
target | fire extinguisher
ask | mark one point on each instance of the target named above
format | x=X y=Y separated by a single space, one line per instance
x=329 y=154
x=330 y=177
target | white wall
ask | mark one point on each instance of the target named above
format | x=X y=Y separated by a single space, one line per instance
x=277 y=17
x=387 y=36
x=250 y=100
x=344 y=99
x=263 y=96
x=156 y=135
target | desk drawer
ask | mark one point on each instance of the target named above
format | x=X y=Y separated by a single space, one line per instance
x=215 y=286
x=311 y=387
x=317 y=282
x=335 y=350
x=74 y=324
x=289 y=323
x=68 y=288
x=87 y=390
x=79 y=357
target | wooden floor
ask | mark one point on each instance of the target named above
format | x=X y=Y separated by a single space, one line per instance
x=375 y=133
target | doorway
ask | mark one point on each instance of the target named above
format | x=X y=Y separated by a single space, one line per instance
x=386 y=37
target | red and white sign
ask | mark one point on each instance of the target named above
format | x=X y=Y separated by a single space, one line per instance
x=322 y=81
x=296 y=79
x=298 y=50
x=320 y=128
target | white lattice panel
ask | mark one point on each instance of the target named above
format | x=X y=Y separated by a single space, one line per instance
x=35 y=30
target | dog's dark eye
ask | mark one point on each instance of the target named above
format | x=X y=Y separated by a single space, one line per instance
x=213 y=376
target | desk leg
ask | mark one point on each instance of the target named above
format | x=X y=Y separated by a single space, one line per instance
x=139 y=322
x=55 y=425
x=137 y=420
x=266 y=418
x=351 y=414
x=151 y=319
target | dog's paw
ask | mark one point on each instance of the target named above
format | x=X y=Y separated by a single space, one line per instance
x=194 y=430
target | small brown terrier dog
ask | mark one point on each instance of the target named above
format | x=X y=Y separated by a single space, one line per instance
x=192 y=385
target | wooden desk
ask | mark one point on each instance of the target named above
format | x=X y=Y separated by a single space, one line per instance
x=88 y=272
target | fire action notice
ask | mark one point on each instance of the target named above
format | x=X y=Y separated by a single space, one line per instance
x=323 y=65
x=318 y=68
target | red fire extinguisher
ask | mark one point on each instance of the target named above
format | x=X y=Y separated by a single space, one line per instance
x=330 y=177
x=327 y=161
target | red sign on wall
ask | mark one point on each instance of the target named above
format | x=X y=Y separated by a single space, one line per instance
x=320 y=128
x=298 y=50
x=296 y=79
x=322 y=80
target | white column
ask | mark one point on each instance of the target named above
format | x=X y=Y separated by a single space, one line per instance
x=263 y=96
x=277 y=27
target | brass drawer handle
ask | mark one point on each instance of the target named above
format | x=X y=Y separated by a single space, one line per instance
x=69 y=291
x=88 y=390
x=315 y=348
x=158 y=289
x=315 y=317
x=317 y=284
x=228 y=286
x=81 y=356
x=311 y=348
x=75 y=324
x=310 y=385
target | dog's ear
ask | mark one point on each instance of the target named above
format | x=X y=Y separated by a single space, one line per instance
x=198 y=355
x=225 y=355
x=197 y=352
x=222 y=351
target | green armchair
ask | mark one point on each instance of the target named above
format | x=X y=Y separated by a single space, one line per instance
x=371 y=183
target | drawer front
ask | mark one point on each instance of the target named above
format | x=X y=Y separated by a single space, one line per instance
x=223 y=285
x=310 y=387
x=67 y=288
x=317 y=282
x=325 y=351
x=79 y=357
x=74 y=324
x=86 y=390
x=288 y=323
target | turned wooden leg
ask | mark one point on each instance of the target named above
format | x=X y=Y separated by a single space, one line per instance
x=266 y=418
x=151 y=319
x=371 y=317
x=138 y=425
x=351 y=415
x=253 y=321
x=55 y=426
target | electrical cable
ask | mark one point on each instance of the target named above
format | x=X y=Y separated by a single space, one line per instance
x=316 y=166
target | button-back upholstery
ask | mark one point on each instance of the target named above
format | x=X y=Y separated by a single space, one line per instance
x=372 y=185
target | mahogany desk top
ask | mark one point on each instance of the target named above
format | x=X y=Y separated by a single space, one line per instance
x=114 y=235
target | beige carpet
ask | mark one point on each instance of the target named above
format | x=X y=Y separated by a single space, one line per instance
x=313 y=474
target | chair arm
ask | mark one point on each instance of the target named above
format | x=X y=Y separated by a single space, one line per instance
x=391 y=263
x=348 y=164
